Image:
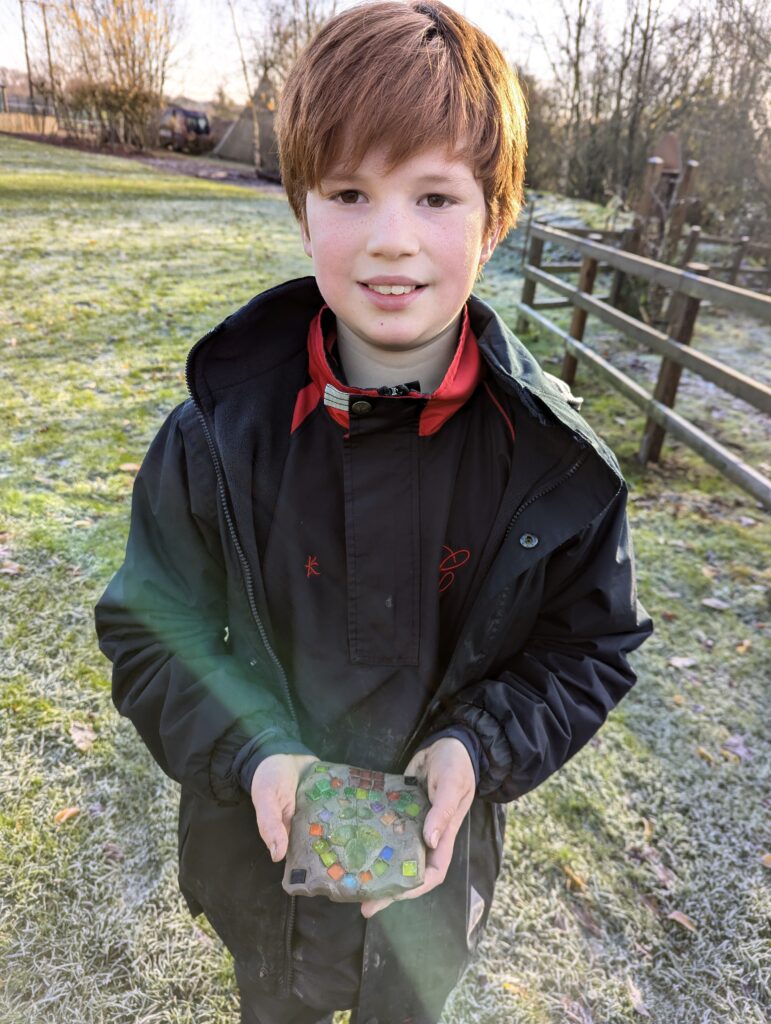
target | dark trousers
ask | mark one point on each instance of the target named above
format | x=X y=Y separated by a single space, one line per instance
x=257 y=1008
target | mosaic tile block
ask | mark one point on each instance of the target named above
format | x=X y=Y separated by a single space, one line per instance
x=410 y=780
x=363 y=844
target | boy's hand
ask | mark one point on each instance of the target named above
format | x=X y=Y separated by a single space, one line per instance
x=446 y=771
x=274 y=788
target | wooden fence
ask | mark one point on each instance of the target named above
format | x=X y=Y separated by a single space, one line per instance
x=688 y=287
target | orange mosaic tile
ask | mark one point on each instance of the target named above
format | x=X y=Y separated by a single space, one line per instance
x=336 y=872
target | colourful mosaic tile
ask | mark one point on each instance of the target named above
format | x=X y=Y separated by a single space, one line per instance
x=361 y=794
x=350 y=882
x=376 y=794
x=350 y=791
x=316 y=829
x=386 y=853
x=399 y=828
x=410 y=780
x=337 y=783
x=380 y=867
x=336 y=872
x=377 y=807
x=321 y=768
x=320 y=845
x=315 y=794
x=328 y=857
x=394 y=795
x=324 y=785
x=325 y=815
x=365 y=877
x=388 y=818
x=298 y=876
x=412 y=809
x=409 y=868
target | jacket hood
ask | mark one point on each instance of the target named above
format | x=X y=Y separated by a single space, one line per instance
x=272 y=329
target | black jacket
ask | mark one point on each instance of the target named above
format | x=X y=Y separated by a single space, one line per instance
x=540 y=659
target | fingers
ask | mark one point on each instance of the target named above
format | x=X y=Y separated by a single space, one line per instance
x=371 y=907
x=273 y=820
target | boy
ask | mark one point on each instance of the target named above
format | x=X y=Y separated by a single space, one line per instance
x=377 y=533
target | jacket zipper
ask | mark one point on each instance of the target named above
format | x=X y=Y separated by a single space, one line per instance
x=547 y=489
x=286 y=980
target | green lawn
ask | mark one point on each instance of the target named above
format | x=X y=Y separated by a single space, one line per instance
x=109 y=271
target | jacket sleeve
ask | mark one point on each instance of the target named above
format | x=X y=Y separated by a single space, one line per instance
x=162 y=622
x=553 y=695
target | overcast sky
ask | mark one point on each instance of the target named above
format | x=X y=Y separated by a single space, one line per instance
x=207 y=54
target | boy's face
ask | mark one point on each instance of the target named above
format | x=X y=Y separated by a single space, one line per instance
x=421 y=225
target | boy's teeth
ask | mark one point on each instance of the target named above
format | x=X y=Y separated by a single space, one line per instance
x=393 y=289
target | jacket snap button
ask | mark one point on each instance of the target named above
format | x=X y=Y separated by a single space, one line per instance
x=528 y=540
x=361 y=407
x=253 y=662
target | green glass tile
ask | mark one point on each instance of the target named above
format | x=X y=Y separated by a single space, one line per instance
x=409 y=868
x=315 y=794
x=320 y=845
x=379 y=867
x=376 y=795
x=412 y=809
x=350 y=791
x=324 y=785
x=321 y=768
x=328 y=858
x=362 y=794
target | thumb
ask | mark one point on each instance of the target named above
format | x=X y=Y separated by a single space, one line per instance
x=272 y=824
x=443 y=809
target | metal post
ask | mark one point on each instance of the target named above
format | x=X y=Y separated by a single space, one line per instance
x=586 y=278
x=686 y=309
x=528 y=286
x=736 y=263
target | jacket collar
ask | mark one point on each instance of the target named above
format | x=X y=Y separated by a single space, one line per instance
x=459 y=383
x=272 y=329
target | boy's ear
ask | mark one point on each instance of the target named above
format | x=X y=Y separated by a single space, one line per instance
x=489 y=244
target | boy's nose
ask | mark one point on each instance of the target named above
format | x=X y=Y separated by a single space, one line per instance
x=392 y=234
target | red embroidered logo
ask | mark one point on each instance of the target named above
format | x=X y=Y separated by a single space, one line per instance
x=452 y=560
x=311 y=567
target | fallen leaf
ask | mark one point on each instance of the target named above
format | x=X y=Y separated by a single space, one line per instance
x=747 y=521
x=9 y=568
x=716 y=604
x=705 y=754
x=678 y=699
x=515 y=990
x=743 y=647
x=636 y=997
x=574 y=881
x=65 y=814
x=736 y=745
x=664 y=875
x=765 y=860
x=669 y=616
x=709 y=571
x=83 y=522
x=682 y=662
x=113 y=852
x=83 y=736
x=647 y=830
x=681 y=919
x=129 y=467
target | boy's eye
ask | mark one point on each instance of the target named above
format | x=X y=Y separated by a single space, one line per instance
x=437 y=202
x=349 y=196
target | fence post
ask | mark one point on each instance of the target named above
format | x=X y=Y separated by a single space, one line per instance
x=691 y=245
x=681 y=327
x=586 y=278
x=630 y=242
x=528 y=286
x=736 y=263
x=677 y=219
x=526 y=240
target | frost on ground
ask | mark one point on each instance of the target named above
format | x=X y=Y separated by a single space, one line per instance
x=634 y=885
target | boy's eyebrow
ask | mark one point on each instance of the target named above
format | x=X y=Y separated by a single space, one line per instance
x=424 y=179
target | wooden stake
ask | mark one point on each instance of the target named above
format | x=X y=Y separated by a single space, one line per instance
x=586 y=278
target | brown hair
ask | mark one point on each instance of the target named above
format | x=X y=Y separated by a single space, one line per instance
x=406 y=76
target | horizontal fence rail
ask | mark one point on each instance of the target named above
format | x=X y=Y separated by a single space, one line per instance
x=689 y=286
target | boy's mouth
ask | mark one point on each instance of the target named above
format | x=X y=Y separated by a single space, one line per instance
x=392 y=285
